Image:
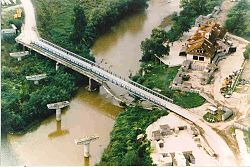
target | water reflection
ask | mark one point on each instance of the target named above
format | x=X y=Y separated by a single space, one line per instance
x=86 y=161
x=110 y=39
x=58 y=132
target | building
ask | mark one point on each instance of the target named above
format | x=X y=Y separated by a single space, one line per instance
x=227 y=113
x=201 y=47
x=212 y=110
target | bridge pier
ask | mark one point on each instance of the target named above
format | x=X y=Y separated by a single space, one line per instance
x=36 y=78
x=93 y=85
x=86 y=142
x=86 y=150
x=19 y=55
x=57 y=66
x=58 y=107
x=58 y=114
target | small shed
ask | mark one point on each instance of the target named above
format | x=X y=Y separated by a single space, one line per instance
x=156 y=135
x=212 y=109
x=227 y=113
x=165 y=130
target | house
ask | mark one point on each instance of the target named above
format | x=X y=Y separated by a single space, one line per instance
x=202 y=46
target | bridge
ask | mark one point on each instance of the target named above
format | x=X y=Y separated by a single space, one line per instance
x=102 y=75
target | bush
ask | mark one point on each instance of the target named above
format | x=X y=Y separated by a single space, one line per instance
x=247 y=52
x=239 y=14
x=129 y=124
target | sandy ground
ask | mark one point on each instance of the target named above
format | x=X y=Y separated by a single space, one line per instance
x=173 y=59
x=29 y=32
x=225 y=7
x=173 y=143
x=243 y=148
x=237 y=101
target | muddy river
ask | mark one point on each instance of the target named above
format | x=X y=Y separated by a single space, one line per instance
x=52 y=143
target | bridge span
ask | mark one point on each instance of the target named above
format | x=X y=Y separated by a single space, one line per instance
x=101 y=75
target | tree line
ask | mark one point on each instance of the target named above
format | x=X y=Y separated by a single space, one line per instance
x=238 y=21
x=191 y=10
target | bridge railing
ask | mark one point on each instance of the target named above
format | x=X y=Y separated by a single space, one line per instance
x=80 y=57
x=108 y=71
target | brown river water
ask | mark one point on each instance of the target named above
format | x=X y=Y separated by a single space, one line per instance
x=52 y=143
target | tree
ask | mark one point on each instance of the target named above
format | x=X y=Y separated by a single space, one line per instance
x=154 y=46
x=199 y=6
x=159 y=34
x=247 y=52
x=237 y=15
x=131 y=158
x=80 y=23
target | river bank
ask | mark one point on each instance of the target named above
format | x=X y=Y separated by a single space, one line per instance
x=40 y=135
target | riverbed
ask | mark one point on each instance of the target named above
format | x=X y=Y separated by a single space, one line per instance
x=52 y=143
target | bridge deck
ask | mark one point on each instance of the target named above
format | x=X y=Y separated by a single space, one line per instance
x=92 y=69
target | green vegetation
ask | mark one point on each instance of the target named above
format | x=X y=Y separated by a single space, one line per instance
x=191 y=10
x=153 y=46
x=160 y=76
x=247 y=140
x=212 y=118
x=238 y=21
x=123 y=149
x=247 y=52
x=157 y=75
x=84 y=20
x=24 y=103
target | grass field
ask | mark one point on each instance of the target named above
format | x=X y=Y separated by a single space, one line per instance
x=160 y=76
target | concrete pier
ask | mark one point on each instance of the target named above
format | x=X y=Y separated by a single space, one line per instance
x=36 y=78
x=86 y=144
x=86 y=150
x=58 y=106
x=19 y=55
x=58 y=114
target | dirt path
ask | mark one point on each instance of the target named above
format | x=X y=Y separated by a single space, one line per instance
x=225 y=7
x=29 y=32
